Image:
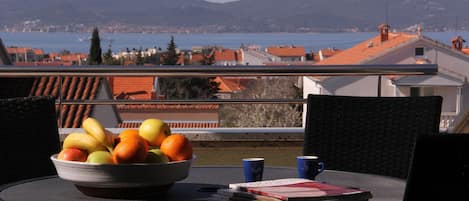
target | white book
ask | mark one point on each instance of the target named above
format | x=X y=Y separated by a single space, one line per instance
x=268 y=183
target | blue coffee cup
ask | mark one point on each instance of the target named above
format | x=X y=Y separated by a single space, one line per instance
x=253 y=169
x=309 y=166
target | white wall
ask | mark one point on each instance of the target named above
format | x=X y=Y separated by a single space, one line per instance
x=309 y=87
x=226 y=63
x=454 y=62
x=358 y=86
x=448 y=94
x=449 y=98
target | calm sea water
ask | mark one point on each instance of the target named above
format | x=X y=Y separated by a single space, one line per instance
x=79 y=42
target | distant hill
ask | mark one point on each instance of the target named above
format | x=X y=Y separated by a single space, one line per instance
x=243 y=15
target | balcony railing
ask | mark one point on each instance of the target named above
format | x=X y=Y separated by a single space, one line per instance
x=447 y=120
x=210 y=71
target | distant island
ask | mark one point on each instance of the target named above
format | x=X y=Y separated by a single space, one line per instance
x=246 y=16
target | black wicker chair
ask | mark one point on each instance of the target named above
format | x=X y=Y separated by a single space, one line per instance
x=29 y=136
x=368 y=134
x=440 y=168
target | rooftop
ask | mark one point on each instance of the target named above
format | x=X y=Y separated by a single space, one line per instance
x=73 y=88
x=369 y=49
x=286 y=51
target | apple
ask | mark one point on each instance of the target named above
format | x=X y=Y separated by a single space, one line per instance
x=100 y=157
x=154 y=131
x=156 y=156
x=73 y=154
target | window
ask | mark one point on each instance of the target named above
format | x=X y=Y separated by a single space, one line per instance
x=422 y=91
x=419 y=51
x=414 y=91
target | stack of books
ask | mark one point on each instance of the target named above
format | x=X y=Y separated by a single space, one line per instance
x=290 y=189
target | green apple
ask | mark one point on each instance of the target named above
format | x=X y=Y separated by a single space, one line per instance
x=100 y=157
x=154 y=131
x=156 y=156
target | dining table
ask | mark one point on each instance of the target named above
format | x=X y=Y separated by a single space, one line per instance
x=202 y=182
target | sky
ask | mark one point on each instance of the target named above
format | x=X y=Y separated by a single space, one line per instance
x=220 y=1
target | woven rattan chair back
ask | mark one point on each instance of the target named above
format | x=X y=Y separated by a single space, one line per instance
x=28 y=137
x=439 y=168
x=368 y=134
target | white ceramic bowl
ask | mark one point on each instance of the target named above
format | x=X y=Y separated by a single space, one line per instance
x=105 y=179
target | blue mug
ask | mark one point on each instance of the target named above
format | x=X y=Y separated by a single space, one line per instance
x=309 y=166
x=253 y=169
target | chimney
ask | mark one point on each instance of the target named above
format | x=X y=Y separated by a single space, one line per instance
x=321 y=56
x=384 y=32
x=457 y=43
x=419 y=29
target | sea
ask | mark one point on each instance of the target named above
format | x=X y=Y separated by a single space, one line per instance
x=80 y=42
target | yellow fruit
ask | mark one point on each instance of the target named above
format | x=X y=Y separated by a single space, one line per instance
x=154 y=131
x=82 y=141
x=94 y=128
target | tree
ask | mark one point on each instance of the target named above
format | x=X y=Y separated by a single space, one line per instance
x=108 y=59
x=185 y=87
x=139 y=60
x=171 y=57
x=265 y=115
x=95 y=57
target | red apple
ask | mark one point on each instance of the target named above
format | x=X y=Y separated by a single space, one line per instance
x=73 y=154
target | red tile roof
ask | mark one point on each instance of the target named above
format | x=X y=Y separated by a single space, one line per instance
x=369 y=49
x=327 y=52
x=38 y=51
x=290 y=63
x=465 y=50
x=182 y=124
x=43 y=63
x=232 y=84
x=24 y=50
x=73 y=88
x=73 y=57
x=197 y=58
x=133 y=87
x=287 y=51
x=18 y=50
x=52 y=55
x=225 y=55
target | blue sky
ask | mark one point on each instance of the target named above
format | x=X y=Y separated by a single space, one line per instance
x=220 y=1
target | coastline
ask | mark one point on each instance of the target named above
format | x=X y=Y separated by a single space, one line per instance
x=74 y=41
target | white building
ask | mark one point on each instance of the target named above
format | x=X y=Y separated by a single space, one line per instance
x=451 y=82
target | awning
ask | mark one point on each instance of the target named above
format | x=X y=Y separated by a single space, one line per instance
x=430 y=80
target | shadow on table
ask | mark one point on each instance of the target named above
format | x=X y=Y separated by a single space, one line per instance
x=178 y=191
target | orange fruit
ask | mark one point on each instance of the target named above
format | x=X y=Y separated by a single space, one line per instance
x=131 y=149
x=177 y=147
x=128 y=133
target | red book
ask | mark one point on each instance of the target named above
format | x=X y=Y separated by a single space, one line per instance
x=302 y=189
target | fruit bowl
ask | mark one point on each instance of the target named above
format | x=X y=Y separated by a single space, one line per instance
x=122 y=180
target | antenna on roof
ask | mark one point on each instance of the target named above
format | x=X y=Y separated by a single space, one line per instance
x=456 y=26
x=386 y=12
